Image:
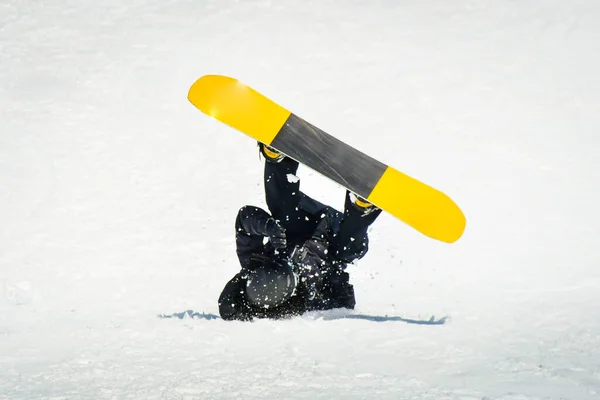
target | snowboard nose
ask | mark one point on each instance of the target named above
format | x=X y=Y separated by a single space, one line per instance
x=239 y=106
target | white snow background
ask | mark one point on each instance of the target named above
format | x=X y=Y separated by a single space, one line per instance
x=118 y=197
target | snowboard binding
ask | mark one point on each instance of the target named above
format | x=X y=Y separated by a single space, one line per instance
x=270 y=154
x=362 y=204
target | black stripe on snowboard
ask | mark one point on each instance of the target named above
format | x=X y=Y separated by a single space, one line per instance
x=329 y=156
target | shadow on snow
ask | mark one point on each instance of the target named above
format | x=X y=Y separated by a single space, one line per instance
x=321 y=315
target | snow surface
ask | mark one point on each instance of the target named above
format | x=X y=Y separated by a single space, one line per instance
x=118 y=197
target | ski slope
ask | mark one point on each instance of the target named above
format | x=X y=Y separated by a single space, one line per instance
x=118 y=198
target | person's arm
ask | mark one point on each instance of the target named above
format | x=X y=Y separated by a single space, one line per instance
x=232 y=302
x=251 y=226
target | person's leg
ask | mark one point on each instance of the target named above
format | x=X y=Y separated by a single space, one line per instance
x=282 y=189
x=298 y=213
x=350 y=241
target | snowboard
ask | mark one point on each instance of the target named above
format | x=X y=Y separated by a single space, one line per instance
x=421 y=206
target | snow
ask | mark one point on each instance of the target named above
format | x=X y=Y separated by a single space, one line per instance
x=292 y=178
x=118 y=197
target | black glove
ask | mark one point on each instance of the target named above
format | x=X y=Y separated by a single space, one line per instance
x=276 y=233
x=305 y=265
x=311 y=277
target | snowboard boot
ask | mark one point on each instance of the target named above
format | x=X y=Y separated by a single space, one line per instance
x=362 y=204
x=270 y=154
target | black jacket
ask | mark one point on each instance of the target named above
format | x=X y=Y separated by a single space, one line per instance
x=315 y=245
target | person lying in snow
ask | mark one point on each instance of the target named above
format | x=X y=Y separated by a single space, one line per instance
x=302 y=265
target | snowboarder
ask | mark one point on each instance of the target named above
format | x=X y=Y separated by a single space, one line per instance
x=302 y=265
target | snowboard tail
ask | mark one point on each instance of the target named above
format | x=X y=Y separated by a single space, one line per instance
x=420 y=206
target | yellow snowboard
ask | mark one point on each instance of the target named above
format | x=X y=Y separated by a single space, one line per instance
x=424 y=208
